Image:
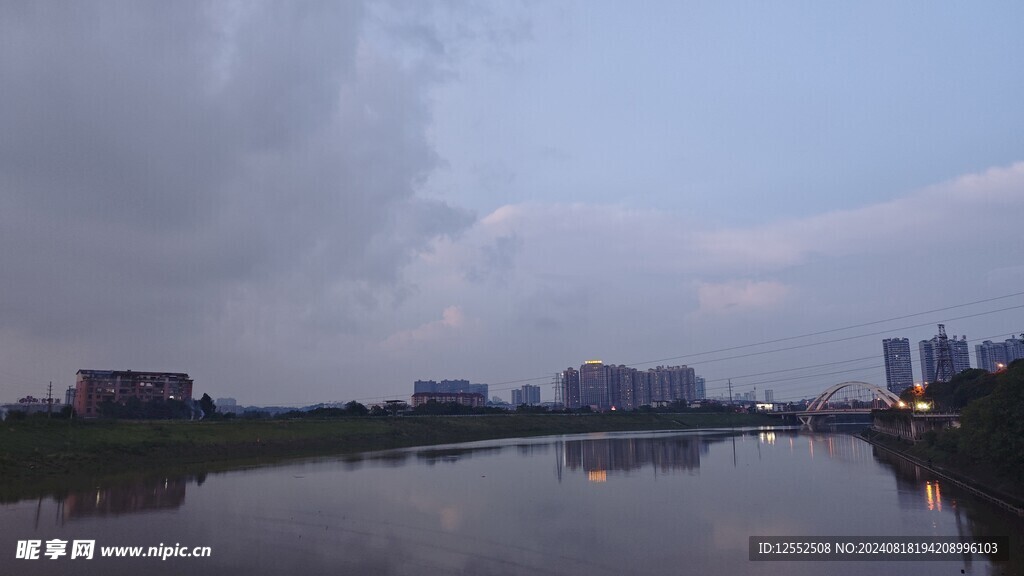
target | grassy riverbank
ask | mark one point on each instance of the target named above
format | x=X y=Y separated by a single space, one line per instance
x=38 y=449
x=981 y=476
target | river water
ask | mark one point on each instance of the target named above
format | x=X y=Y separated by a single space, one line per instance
x=596 y=504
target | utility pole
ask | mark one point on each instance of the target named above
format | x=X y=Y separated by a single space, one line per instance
x=730 y=391
x=49 y=400
x=943 y=357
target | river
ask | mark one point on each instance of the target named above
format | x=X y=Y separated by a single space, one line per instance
x=614 y=503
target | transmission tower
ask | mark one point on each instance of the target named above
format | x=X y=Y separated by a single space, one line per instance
x=943 y=357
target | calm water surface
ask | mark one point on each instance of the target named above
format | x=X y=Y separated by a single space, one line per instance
x=634 y=503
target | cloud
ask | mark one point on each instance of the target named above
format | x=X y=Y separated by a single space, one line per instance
x=740 y=296
x=620 y=283
x=451 y=321
x=181 y=183
x=921 y=221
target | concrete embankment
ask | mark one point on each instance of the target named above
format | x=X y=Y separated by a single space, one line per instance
x=956 y=477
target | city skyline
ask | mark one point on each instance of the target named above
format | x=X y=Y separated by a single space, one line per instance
x=355 y=195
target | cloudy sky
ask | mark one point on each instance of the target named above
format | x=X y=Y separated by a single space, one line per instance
x=306 y=202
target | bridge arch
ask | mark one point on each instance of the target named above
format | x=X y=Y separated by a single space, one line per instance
x=886 y=396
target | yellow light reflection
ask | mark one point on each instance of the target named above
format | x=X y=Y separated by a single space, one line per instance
x=597 y=475
x=929 y=495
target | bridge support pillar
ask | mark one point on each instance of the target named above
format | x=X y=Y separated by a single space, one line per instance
x=807 y=421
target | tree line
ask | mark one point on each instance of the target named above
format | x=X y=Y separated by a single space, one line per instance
x=991 y=409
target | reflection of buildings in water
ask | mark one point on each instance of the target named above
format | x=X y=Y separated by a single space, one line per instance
x=976 y=520
x=838 y=447
x=598 y=457
x=910 y=478
x=160 y=494
x=532 y=449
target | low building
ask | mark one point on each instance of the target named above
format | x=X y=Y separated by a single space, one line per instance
x=228 y=406
x=464 y=398
x=93 y=387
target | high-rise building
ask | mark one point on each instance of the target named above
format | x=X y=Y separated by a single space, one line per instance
x=624 y=388
x=899 y=372
x=961 y=355
x=701 y=390
x=594 y=385
x=570 y=383
x=769 y=395
x=931 y=357
x=642 y=383
x=527 y=394
x=993 y=355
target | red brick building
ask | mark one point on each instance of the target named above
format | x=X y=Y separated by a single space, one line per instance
x=92 y=387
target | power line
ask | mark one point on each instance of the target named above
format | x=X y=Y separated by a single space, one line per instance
x=503 y=385
x=846 y=339
x=873 y=367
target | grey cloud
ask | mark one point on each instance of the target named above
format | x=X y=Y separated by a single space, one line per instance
x=496 y=261
x=196 y=164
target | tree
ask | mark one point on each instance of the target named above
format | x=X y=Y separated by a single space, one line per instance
x=961 y=390
x=356 y=409
x=209 y=408
x=992 y=427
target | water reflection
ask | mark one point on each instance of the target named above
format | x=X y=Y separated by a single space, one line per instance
x=598 y=457
x=627 y=503
x=143 y=496
x=975 y=520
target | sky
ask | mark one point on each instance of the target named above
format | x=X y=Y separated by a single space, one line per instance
x=326 y=201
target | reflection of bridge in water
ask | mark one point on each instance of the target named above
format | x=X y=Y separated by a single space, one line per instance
x=843 y=399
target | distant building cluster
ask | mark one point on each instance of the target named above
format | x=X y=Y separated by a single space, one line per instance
x=931 y=368
x=941 y=358
x=93 y=387
x=528 y=394
x=610 y=387
x=449 y=386
x=993 y=356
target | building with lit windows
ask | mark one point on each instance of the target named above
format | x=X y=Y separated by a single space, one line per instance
x=594 y=385
x=464 y=398
x=93 y=387
x=899 y=371
x=570 y=383
x=993 y=356
x=607 y=387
